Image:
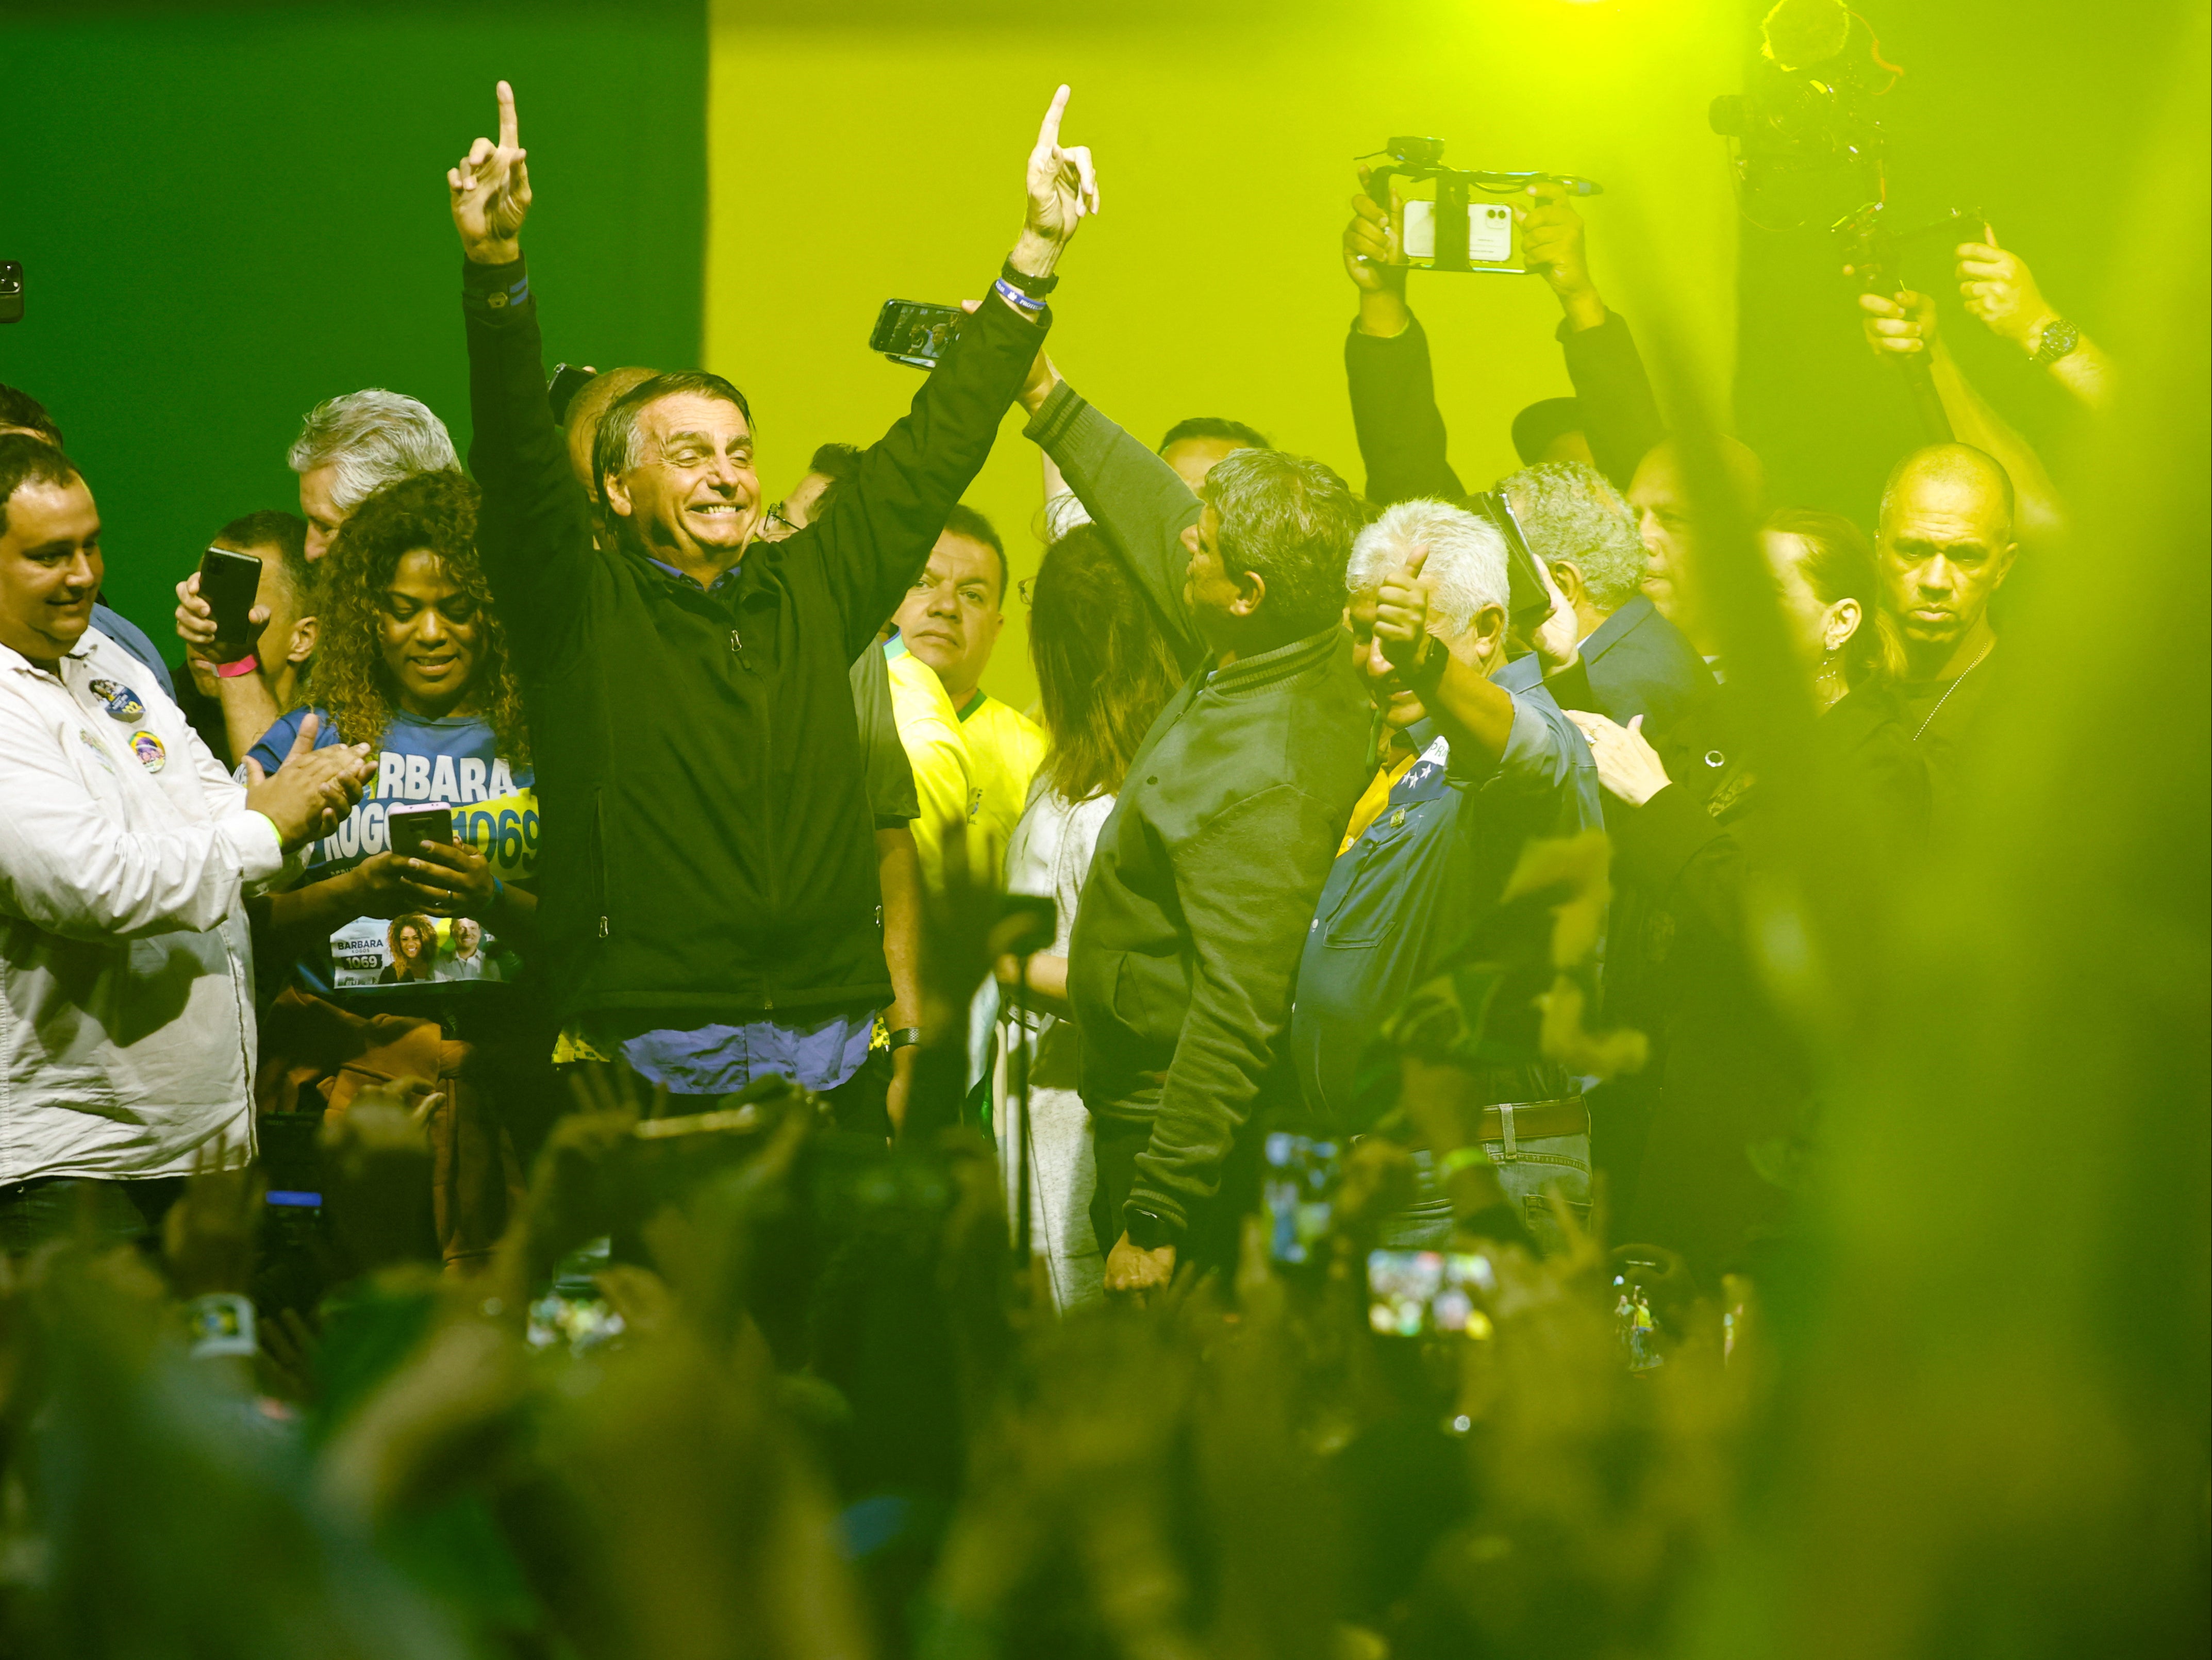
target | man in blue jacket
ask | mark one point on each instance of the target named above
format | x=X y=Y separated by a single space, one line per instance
x=1474 y=771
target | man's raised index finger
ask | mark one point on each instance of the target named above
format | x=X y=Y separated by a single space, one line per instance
x=509 y=133
x=1048 y=132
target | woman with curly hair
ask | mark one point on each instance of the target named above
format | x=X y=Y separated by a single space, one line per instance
x=412 y=939
x=412 y=663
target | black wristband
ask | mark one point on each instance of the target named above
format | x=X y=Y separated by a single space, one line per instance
x=904 y=1038
x=1036 y=287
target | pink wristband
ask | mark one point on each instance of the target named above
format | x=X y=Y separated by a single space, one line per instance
x=245 y=665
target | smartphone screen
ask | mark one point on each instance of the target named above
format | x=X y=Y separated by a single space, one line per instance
x=916 y=333
x=229 y=583
x=1297 y=1191
x=408 y=828
x=1425 y=1293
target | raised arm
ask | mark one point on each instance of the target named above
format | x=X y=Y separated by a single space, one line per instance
x=1905 y=326
x=1999 y=288
x=1386 y=364
x=879 y=534
x=532 y=529
x=1620 y=415
x=1136 y=498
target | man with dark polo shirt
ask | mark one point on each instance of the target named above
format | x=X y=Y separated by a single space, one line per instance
x=1944 y=544
x=711 y=897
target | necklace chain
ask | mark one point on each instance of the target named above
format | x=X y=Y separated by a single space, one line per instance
x=1953 y=687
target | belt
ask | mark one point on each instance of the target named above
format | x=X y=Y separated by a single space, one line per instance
x=1508 y=1122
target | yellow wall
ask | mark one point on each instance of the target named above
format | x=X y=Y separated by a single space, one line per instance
x=852 y=162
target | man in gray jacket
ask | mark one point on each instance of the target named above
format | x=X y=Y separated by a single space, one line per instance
x=1187 y=936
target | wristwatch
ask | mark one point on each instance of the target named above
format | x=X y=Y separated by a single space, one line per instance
x=1149 y=1230
x=1036 y=287
x=2059 y=337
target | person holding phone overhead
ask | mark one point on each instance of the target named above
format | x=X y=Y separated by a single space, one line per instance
x=714 y=915
x=414 y=663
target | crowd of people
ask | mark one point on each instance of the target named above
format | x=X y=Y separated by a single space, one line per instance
x=584 y=1089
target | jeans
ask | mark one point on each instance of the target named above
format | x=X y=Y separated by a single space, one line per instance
x=112 y=1213
x=1537 y=1164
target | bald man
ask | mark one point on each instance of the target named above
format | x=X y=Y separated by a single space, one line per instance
x=1944 y=544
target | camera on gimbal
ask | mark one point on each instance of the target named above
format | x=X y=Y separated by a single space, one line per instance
x=1808 y=127
x=1438 y=219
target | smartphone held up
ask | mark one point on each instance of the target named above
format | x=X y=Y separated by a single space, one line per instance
x=229 y=583
x=915 y=332
x=1455 y=218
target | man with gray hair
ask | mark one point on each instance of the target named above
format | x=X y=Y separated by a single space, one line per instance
x=350 y=447
x=1474 y=772
x=1191 y=917
x=1581 y=529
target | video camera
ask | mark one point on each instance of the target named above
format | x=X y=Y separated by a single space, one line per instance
x=1438 y=224
x=1807 y=129
x=1808 y=137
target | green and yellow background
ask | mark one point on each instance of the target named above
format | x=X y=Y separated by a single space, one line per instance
x=229 y=212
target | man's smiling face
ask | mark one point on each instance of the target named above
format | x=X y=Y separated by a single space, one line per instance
x=693 y=492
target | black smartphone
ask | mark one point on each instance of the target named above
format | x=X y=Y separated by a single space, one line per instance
x=406 y=828
x=1528 y=601
x=560 y=391
x=11 y=290
x=1427 y=1293
x=1297 y=1190
x=229 y=583
x=916 y=333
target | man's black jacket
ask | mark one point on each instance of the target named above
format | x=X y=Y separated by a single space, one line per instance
x=708 y=848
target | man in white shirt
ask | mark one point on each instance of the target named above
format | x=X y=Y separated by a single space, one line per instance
x=126 y=853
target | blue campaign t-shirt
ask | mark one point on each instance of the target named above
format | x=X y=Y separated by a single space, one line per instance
x=453 y=763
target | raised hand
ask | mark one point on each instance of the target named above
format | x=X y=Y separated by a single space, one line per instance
x=1401 y=615
x=1551 y=242
x=1999 y=288
x=1063 y=191
x=1370 y=247
x=196 y=627
x=1900 y=326
x=491 y=191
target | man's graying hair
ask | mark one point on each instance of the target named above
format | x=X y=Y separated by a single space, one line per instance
x=1466 y=567
x=1568 y=511
x=1291 y=520
x=618 y=447
x=374 y=438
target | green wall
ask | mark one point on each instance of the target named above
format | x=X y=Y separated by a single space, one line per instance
x=227 y=214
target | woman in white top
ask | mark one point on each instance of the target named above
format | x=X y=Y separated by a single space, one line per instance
x=1104 y=670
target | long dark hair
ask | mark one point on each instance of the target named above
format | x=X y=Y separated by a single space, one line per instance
x=1839 y=564
x=1105 y=667
x=431 y=512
